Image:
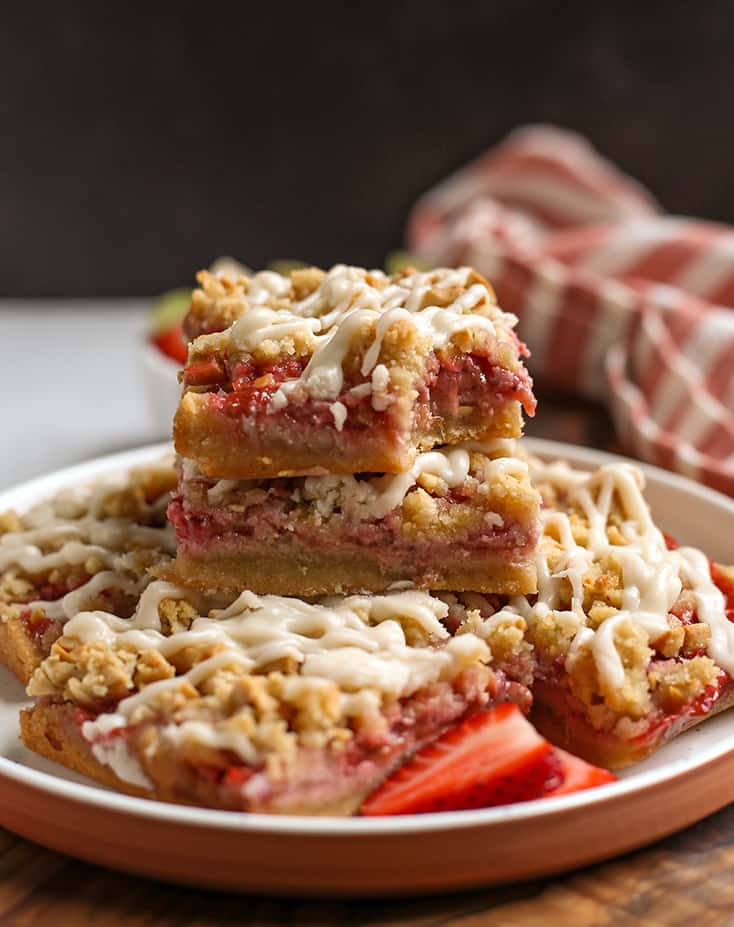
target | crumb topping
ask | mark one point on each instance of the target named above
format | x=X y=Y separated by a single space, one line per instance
x=347 y=326
x=637 y=627
x=453 y=487
x=90 y=547
x=270 y=670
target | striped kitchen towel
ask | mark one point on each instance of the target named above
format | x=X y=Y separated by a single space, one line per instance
x=616 y=300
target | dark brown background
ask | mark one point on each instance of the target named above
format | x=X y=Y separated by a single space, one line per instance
x=141 y=140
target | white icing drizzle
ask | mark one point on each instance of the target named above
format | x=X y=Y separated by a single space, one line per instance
x=31 y=558
x=376 y=497
x=73 y=527
x=339 y=411
x=260 y=324
x=266 y=286
x=75 y=601
x=114 y=753
x=379 y=384
x=652 y=575
x=346 y=303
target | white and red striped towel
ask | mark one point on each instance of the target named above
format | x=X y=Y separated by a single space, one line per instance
x=616 y=301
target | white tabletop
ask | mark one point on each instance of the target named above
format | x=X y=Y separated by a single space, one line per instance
x=70 y=384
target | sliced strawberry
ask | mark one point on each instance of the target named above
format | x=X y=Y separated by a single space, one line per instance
x=578 y=775
x=204 y=373
x=172 y=343
x=494 y=757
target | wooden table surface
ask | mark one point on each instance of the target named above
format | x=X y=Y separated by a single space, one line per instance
x=687 y=879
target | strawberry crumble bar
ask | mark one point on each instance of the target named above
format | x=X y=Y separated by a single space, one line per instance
x=271 y=704
x=346 y=371
x=88 y=547
x=462 y=518
x=633 y=637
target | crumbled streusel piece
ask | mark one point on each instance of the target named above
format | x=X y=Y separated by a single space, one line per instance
x=16 y=588
x=85 y=673
x=10 y=522
x=632 y=698
x=151 y=667
x=175 y=615
x=305 y=280
x=674 y=684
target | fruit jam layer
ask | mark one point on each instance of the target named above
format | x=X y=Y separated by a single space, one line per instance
x=372 y=754
x=318 y=780
x=448 y=384
x=199 y=533
x=620 y=739
x=563 y=719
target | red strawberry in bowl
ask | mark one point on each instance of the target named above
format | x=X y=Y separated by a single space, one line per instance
x=171 y=342
x=166 y=318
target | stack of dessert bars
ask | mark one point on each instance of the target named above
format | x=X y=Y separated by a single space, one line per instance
x=358 y=568
x=349 y=431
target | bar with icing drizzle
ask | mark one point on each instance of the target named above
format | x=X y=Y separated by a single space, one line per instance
x=71 y=528
x=347 y=301
x=360 y=644
x=652 y=575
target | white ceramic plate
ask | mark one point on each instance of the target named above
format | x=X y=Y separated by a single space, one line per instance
x=685 y=781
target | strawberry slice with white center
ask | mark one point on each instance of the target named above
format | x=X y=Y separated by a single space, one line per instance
x=494 y=757
x=578 y=775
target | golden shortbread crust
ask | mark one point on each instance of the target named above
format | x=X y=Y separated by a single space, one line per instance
x=224 y=450
x=292 y=568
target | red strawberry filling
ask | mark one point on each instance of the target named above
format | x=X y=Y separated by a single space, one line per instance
x=37 y=625
x=473 y=380
x=319 y=776
x=203 y=530
x=452 y=381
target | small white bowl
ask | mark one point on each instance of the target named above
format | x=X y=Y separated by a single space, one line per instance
x=160 y=376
